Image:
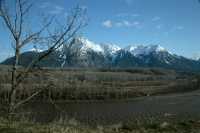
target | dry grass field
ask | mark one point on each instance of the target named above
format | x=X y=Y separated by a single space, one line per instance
x=98 y=84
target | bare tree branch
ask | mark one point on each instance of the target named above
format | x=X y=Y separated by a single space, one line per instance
x=6 y=18
x=29 y=98
x=35 y=36
x=21 y=18
x=54 y=47
x=62 y=35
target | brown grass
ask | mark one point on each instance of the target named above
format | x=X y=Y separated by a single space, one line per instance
x=71 y=84
x=72 y=126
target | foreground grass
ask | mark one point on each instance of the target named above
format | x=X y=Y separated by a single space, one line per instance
x=73 y=126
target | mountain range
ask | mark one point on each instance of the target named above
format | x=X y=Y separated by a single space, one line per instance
x=85 y=53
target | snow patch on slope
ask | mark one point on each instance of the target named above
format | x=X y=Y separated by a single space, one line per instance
x=89 y=45
x=36 y=50
x=137 y=50
x=110 y=48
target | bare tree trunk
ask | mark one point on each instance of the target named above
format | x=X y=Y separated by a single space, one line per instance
x=12 y=94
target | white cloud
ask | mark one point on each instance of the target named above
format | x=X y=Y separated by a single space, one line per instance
x=56 y=10
x=159 y=26
x=59 y=8
x=128 y=2
x=107 y=24
x=44 y=5
x=156 y=18
x=121 y=24
x=135 y=15
x=135 y=23
x=179 y=28
x=128 y=15
x=172 y=29
x=126 y=23
x=51 y=8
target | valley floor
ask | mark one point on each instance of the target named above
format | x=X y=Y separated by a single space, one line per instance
x=125 y=101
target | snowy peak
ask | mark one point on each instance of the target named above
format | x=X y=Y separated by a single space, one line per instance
x=36 y=50
x=110 y=48
x=85 y=45
x=160 y=49
x=137 y=50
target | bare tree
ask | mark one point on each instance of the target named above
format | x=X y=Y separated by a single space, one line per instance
x=16 y=21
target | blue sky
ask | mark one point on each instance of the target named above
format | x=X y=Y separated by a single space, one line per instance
x=173 y=24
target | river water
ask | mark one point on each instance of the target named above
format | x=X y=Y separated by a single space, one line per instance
x=177 y=106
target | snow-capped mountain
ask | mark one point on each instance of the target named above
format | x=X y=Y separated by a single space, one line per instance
x=36 y=50
x=110 y=49
x=86 y=45
x=144 y=50
x=85 y=53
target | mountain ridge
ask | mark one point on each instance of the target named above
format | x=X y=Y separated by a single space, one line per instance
x=85 y=53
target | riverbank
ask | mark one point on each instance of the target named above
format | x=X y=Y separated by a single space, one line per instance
x=72 y=126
